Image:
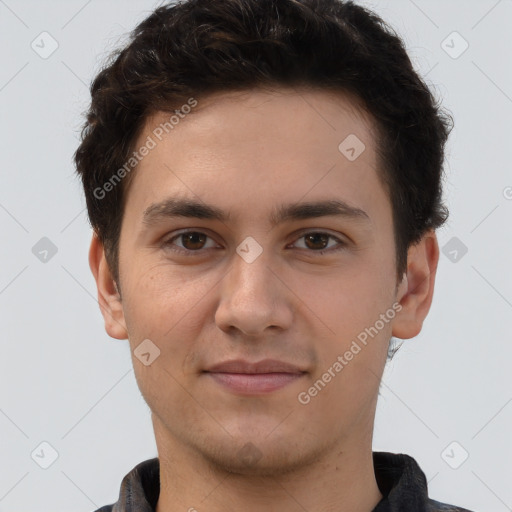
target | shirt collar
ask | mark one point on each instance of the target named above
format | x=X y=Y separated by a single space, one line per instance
x=401 y=482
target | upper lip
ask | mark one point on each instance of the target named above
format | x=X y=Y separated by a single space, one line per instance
x=263 y=366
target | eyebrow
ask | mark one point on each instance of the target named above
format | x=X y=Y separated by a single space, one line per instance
x=174 y=207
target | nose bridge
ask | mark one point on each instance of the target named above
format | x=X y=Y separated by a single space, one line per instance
x=251 y=297
x=250 y=275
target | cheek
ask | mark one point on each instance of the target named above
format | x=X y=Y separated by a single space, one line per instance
x=348 y=298
x=163 y=307
x=348 y=388
x=349 y=310
x=160 y=303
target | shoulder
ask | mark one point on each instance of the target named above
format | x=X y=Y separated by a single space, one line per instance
x=437 y=506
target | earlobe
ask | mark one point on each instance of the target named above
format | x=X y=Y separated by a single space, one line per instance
x=416 y=290
x=109 y=299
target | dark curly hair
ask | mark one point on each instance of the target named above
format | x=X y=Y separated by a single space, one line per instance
x=197 y=47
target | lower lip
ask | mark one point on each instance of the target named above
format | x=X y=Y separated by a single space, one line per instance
x=252 y=383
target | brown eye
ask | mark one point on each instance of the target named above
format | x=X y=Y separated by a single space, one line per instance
x=190 y=243
x=317 y=240
x=320 y=243
x=193 y=240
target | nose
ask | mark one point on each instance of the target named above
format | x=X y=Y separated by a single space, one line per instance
x=253 y=298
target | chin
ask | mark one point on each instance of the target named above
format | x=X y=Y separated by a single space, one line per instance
x=258 y=456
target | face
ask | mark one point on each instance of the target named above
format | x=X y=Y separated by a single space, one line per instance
x=248 y=235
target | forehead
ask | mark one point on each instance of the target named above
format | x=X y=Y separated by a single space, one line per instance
x=257 y=146
x=292 y=113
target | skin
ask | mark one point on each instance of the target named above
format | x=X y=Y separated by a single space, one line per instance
x=247 y=153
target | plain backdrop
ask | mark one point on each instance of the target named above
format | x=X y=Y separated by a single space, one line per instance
x=446 y=396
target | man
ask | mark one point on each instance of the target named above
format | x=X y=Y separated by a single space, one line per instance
x=263 y=180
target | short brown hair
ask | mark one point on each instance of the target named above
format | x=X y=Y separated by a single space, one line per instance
x=197 y=47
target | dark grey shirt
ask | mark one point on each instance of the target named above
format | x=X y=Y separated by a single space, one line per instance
x=401 y=482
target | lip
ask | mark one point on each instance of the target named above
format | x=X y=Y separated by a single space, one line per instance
x=246 y=378
x=263 y=366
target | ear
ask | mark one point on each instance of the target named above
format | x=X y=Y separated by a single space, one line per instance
x=417 y=287
x=109 y=299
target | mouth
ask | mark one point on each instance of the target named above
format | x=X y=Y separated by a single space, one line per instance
x=261 y=377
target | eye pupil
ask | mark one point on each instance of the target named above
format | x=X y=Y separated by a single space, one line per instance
x=194 y=241
x=193 y=238
x=314 y=238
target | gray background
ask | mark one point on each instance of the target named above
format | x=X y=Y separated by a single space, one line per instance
x=65 y=382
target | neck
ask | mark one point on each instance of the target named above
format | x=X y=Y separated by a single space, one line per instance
x=342 y=479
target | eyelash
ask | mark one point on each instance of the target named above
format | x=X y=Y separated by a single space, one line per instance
x=187 y=252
